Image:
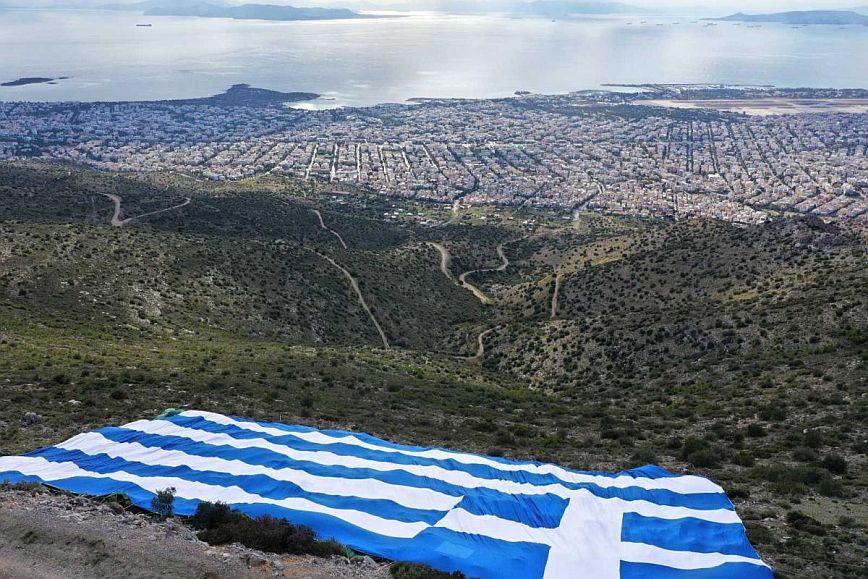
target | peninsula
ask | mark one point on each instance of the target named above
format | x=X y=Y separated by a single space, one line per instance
x=244 y=95
x=252 y=12
x=32 y=80
x=801 y=17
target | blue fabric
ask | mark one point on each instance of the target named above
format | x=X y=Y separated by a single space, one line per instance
x=488 y=517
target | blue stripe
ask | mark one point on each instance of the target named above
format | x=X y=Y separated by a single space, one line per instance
x=687 y=534
x=473 y=555
x=726 y=571
x=543 y=510
x=349 y=449
x=703 y=501
x=648 y=471
x=254 y=484
x=271 y=459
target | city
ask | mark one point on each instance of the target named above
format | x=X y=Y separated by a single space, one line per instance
x=594 y=151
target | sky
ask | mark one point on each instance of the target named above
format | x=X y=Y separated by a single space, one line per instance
x=711 y=6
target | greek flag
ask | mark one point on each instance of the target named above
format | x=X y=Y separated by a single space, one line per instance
x=487 y=517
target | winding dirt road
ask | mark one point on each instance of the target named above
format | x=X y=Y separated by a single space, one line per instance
x=116 y=218
x=502 y=267
x=355 y=284
x=327 y=228
x=480 y=350
x=556 y=295
x=445 y=260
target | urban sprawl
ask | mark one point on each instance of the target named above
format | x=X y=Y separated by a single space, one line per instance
x=583 y=151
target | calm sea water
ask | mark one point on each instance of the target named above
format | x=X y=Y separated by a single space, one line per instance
x=423 y=55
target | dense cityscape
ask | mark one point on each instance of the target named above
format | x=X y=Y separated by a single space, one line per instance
x=583 y=151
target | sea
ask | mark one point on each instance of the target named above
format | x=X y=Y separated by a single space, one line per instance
x=107 y=56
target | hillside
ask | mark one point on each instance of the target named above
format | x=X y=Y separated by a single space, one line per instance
x=252 y=12
x=806 y=17
x=736 y=352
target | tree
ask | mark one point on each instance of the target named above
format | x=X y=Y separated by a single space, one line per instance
x=164 y=503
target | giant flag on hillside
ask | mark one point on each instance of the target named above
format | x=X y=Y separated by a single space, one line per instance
x=488 y=517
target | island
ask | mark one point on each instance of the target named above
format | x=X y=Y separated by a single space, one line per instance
x=801 y=17
x=32 y=80
x=244 y=95
x=251 y=12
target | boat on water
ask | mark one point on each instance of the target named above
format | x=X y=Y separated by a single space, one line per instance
x=144 y=25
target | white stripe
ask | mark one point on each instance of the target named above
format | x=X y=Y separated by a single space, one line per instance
x=407 y=496
x=463 y=521
x=687 y=484
x=688 y=560
x=233 y=495
x=455 y=477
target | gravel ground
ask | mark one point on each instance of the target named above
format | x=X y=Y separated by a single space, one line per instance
x=51 y=535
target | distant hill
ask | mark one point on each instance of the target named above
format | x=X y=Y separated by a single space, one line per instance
x=836 y=17
x=253 y=12
x=243 y=95
x=219 y=9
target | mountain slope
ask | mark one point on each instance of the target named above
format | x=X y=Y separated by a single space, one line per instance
x=833 y=17
x=735 y=352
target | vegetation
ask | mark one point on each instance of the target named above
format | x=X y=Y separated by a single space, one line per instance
x=735 y=352
x=219 y=525
x=164 y=502
x=412 y=571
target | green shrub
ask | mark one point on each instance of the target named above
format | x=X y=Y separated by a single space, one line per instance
x=705 y=458
x=804 y=454
x=416 y=571
x=830 y=487
x=756 y=430
x=803 y=522
x=835 y=464
x=164 y=503
x=218 y=525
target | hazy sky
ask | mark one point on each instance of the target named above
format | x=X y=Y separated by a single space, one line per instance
x=713 y=6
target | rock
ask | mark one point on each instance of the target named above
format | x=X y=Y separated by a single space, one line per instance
x=116 y=508
x=30 y=418
x=278 y=565
x=254 y=560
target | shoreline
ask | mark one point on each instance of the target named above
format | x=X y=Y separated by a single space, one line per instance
x=667 y=95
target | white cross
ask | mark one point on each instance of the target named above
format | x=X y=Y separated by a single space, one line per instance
x=586 y=544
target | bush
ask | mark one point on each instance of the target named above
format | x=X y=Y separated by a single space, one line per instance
x=218 y=525
x=415 y=571
x=835 y=464
x=705 y=458
x=164 y=503
x=804 y=454
x=643 y=456
x=803 y=522
x=830 y=487
x=756 y=430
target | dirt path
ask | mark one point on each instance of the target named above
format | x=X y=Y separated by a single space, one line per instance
x=355 y=284
x=332 y=231
x=480 y=349
x=502 y=267
x=116 y=218
x=556 y=295
x=445 y=260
